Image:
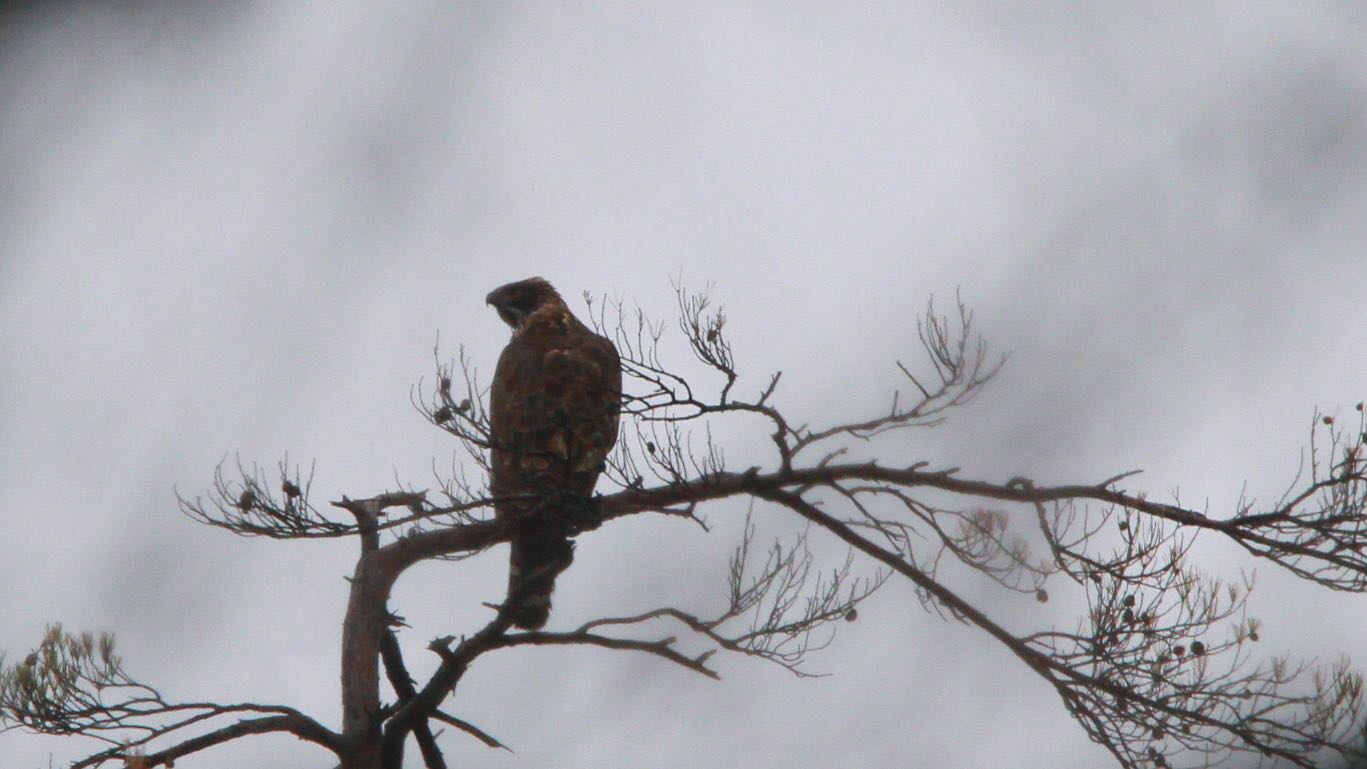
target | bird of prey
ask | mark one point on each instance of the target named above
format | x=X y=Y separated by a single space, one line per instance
x=554 y=406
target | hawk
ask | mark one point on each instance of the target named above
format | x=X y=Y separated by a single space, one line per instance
x=554 y=404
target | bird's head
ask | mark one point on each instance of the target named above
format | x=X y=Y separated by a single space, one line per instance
x=516 y=301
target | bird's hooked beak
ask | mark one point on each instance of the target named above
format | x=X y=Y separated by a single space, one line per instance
x=498 y=299
x=510 y=314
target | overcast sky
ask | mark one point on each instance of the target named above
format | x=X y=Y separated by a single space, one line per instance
x=241 y=231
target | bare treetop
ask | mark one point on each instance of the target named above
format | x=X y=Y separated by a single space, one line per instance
x=1161 y=667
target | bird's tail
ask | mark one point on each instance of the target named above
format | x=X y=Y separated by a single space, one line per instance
x=537 y=559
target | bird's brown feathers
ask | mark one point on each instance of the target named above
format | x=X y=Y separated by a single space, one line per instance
x=554 y=408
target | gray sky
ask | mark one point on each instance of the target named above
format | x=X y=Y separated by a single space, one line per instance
x=242 y=230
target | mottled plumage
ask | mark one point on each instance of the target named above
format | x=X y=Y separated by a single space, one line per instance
x=555 y=401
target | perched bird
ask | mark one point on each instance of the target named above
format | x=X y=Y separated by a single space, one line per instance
x=554 y=405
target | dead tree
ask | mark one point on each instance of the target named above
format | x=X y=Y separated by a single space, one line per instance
x=1160 y=667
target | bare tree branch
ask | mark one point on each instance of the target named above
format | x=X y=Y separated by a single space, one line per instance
x=663 y=647
x=470 y=729
x=404 y=689
x=76 y=684
x=1159 y=670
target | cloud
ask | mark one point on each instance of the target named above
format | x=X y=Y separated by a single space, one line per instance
x=241 y=231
